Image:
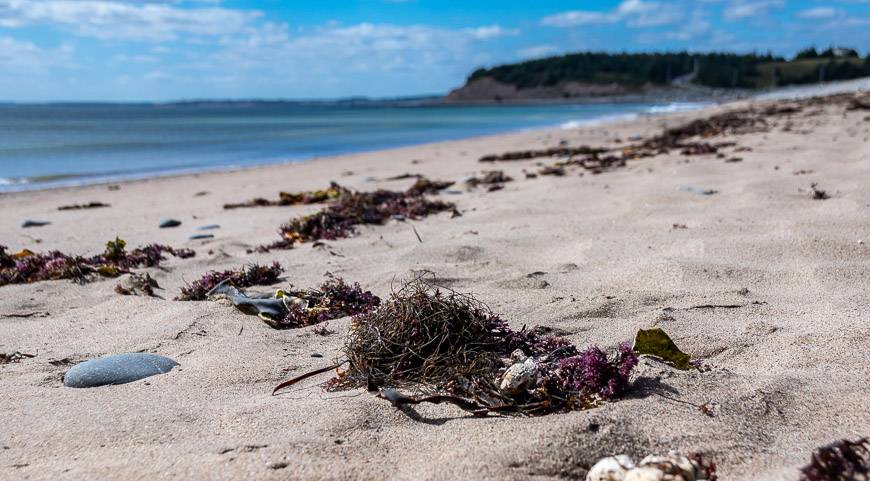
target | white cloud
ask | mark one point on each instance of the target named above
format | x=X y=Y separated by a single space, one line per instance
x=819 y=13
x=26 y=58
x=635 y=13
x=742 y=9
x=106 y=19
x=491 y=31
x=537 y=51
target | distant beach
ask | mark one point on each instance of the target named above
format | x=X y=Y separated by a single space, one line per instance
x=53 y=145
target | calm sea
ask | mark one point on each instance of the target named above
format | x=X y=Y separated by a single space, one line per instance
x=62 y=144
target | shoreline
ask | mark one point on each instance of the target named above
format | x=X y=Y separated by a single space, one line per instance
x=734 y=256
x=651 y=111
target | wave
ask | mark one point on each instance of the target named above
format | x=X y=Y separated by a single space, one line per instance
x=604 y=119
x=678 y=107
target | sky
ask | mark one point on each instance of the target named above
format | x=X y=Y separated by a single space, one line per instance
x=159 y=50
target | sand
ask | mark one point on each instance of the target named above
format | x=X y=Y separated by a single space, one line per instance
x=786 y=370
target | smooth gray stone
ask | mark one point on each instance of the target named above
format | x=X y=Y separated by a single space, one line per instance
x=167 y=222
x=208 y=227
x=201 y=236
x=117 y=369
x=34 y=223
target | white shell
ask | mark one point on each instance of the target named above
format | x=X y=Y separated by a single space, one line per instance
x=645 y=474
x=519 y=376
x=611 y=468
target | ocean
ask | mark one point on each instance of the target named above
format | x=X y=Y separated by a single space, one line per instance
x=48 y=145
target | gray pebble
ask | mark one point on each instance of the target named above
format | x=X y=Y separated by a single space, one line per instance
x=117 y=369
x=167 y=222
x=208 y=227
x=34 y=223
x=201 y=236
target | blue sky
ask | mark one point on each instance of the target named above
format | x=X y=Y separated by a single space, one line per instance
x=125 y=50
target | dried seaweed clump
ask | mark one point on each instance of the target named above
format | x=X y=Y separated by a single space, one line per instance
x=424 y=186
x=298 y=308
x=89 y=205
x=334 y=299
x=450 y=345
x=137 y=285
x=26 y=266
x=247 y=276
x=332 y=192
x=357 y=208
x=843 y=460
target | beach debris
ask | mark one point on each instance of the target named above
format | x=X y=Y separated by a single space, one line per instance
x=26 y=266
x=732 y=160
x=137 y=285
x=34 y=223
x=89 y=205
x=352 y=209
x=679 y=226
x=200 y=236
x=287 y=309
x=247 y=276
x=427 y=186
x=555 y=170
x=166 y=223
x=16 y=356
x=209 y=227
x=117 y=369
x=492 y=179
x=859 y=103
x=672 y=467
x=449 y=347
x=334 y=191
x=818 y=194
x=698 y=190
x=562 y=151
x=843 y=460
x=656 y=342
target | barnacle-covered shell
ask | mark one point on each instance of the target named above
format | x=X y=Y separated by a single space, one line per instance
x=519 y=376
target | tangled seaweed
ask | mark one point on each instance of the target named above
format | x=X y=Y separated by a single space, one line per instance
x=426 y=186
x=26 y=267
x=352 y=209
x=451 y=347
x=247 y=276
x=298 y=308
x=332 y=192
x=334 y=299
x=89 y=205
x=843 y=460
x=492 y=179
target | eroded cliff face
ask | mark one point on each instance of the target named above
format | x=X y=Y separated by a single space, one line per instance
x=488 y=89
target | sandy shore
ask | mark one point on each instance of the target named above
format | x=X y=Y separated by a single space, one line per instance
x=788 y=367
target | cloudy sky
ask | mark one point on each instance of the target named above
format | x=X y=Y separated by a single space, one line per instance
x=184 y=49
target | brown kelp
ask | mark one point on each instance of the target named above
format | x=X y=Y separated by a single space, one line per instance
x=247 y=276
x=843 y=460
x=26 y=266
x=294 y=198
x=291 y=308
x=89 y=205
x=449 y=347
x=352 y=209
x=424 y=186
x=491 y=179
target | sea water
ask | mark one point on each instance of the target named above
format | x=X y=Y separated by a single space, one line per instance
x=49 y=145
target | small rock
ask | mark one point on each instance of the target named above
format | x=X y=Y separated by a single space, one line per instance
x=34 y=223
x=316 y=354
x=167 y=222
x=117 y=369
x=201 y=236
x=209 y=227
